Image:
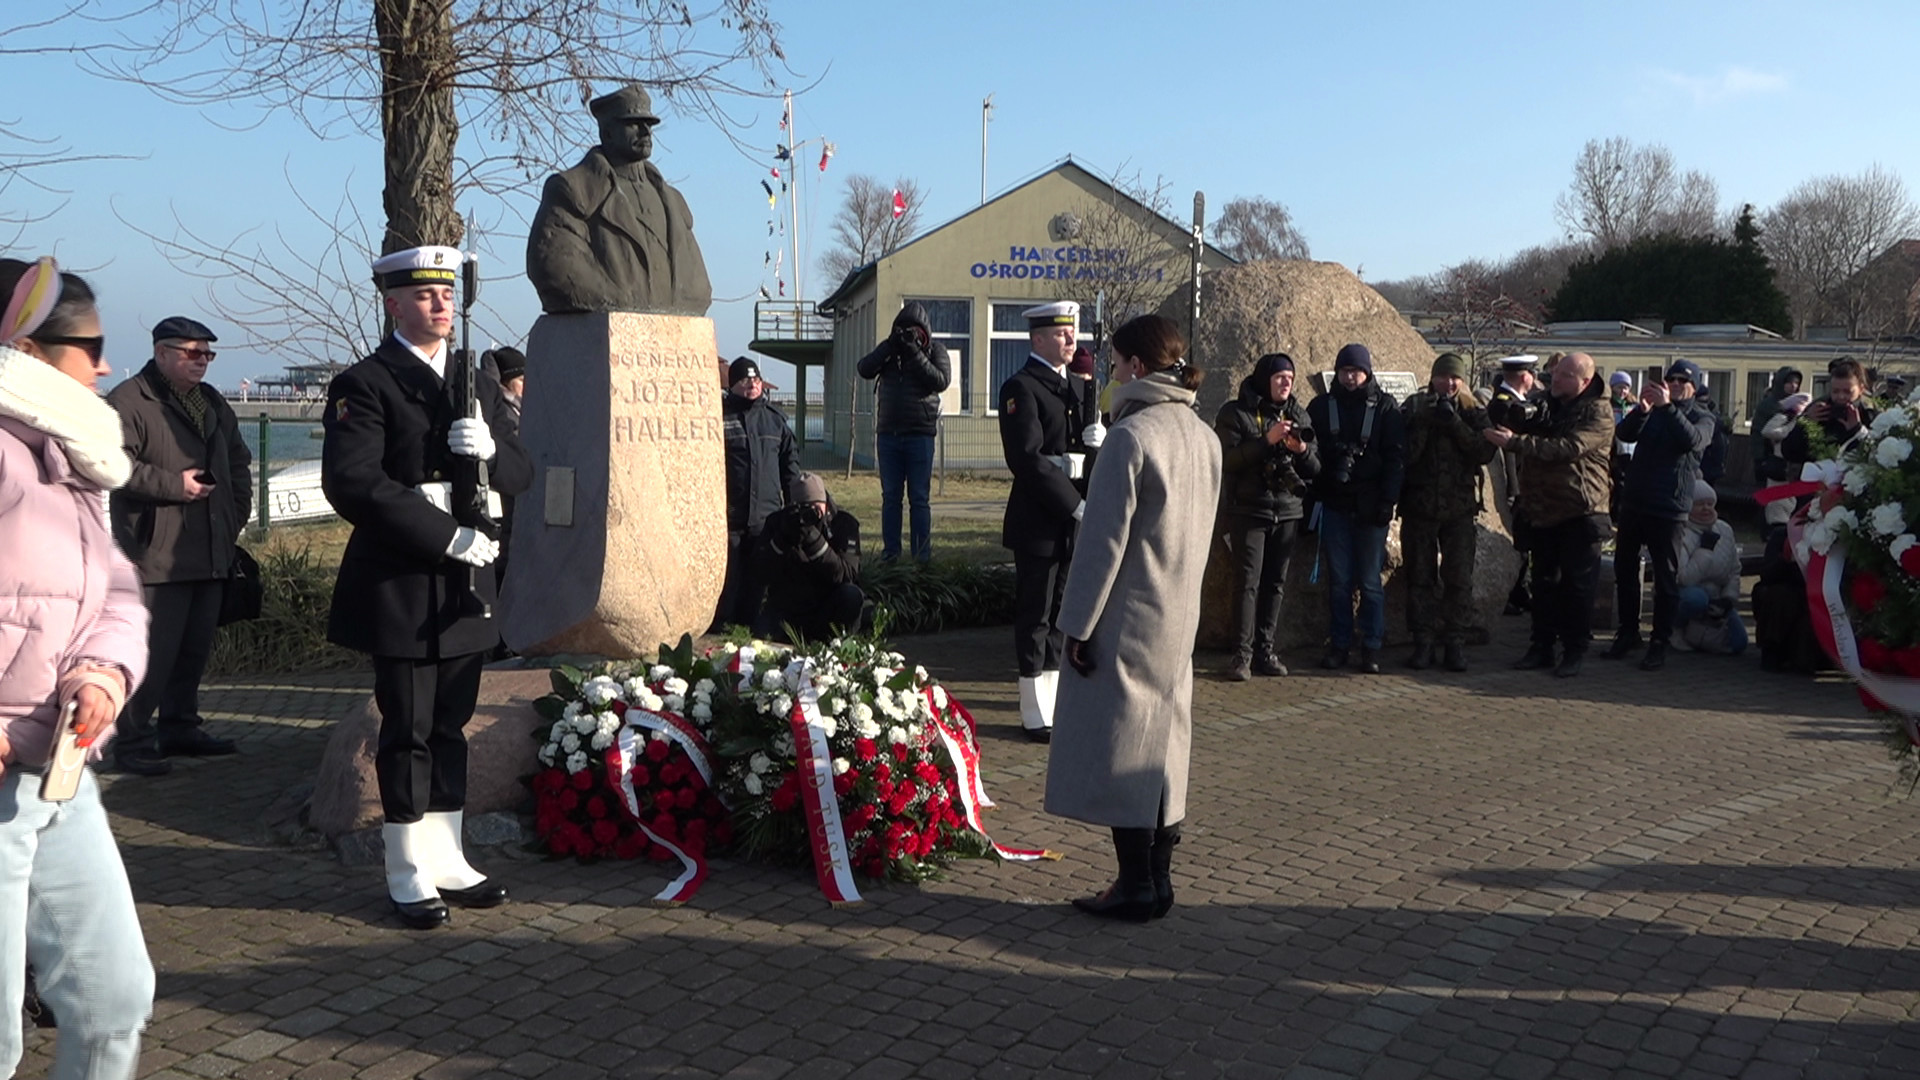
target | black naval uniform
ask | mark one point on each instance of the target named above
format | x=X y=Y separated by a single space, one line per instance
x=1039 y=418
x=399 y=595
x=1505 y=408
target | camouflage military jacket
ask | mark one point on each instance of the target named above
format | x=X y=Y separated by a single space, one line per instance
x=1445 y=453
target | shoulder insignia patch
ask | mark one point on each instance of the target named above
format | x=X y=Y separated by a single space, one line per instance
x=339 y=409
x=1009 y=409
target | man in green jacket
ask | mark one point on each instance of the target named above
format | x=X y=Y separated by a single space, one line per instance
x=1439 y=503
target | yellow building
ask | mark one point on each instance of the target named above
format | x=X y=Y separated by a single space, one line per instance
x=1066 y=234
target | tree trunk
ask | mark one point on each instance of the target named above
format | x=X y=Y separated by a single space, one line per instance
x=417 y=122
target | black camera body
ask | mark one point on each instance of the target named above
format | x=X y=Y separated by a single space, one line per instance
x=1340 y=459
x=1516 y=413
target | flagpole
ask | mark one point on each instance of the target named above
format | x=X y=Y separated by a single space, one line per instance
x=793 y=207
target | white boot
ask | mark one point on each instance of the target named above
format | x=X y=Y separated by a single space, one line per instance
x=409 y=858
x=1049 y=687
x=447 y=867
x=1031 y=716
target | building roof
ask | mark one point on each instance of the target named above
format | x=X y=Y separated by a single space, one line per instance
x=859 y=275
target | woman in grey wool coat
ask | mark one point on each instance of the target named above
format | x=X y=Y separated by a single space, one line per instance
x=1123 y=722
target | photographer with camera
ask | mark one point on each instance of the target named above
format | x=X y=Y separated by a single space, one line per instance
x=1268 y=455
x=1518 y=401
x=1362 y=462
x=809 y=556
x=911 y=370
x=1841 y=416
x=1669 y=432
x=1438 y=505
x=1564 y=487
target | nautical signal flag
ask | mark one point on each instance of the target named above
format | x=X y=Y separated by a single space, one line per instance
x=899 y=203
x=826 y=151
x=768 y=188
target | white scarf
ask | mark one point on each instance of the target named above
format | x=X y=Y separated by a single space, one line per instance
x=88 y=429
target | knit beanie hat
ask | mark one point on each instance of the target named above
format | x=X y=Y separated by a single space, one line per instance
x=1703 y=492
x=1082 y=362
x=1355 y=355
x=1448 y=363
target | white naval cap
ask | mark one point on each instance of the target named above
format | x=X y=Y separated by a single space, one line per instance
x=427 y=265
x=1059 y=313
x=1523 y=362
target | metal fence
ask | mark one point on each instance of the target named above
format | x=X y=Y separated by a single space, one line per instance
x=286 y=471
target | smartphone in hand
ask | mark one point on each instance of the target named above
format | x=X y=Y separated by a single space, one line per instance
x=204 y=477
x=61 y=781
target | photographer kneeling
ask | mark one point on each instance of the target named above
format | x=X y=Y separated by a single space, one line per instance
x=809 y=556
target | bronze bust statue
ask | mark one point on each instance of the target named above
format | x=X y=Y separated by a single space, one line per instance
x=611 y=234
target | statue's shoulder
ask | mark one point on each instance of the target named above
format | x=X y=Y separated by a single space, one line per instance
x=592 y=174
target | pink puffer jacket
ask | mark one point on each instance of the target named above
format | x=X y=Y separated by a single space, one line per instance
x=67 y=595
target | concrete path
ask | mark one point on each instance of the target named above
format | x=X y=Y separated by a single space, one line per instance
x=1698 y=872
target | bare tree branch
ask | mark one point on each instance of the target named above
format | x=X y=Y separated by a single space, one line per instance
x=1622 y=192
x=1253 y=229
x=1824 y=237
x=865 y=228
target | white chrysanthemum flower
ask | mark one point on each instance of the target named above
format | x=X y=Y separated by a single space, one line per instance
x=704 y=688
x=559 y=729
x=547 y=754
x=1820 y=537
x=702 y=711
x=783 y=744
x=866 y=729
x=620 y=671
x=674 y=703
x=608 y=724
x=771 y=679
x=862 y=714
x=600 y=741
x=572 y=710
x=570 y=742
x=881 y=675
x=586 y=723
x=896 y=734
x=940 y=698
x=576 y=761
x=675 y=685
x=1842 y=517
x=1887 y=421
x=781 y=704
x=753 y=785
x=1901 y=543
x=841 y=765
x=829 y=725
x=919 y=674
x=660 y=735
x=599 y=690
x=659 y=672
x=649 y=701
x=1889 y=519
x=1854 y=481
x=915 y=731
x=759 y=763
x=1892 y=450
x=832 y=706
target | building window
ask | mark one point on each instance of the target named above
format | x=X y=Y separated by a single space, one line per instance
x=950 y=322
x=1009 y=344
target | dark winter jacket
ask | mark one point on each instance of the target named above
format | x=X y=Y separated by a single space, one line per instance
x=1667 y=445
x=760 y=460
x=1564 y=459
x=913 y=369
x=1359 y=476
x=1263 y=481
x=1445 y=453
x=167 y=536
x=1768 y=408
x=803 y=561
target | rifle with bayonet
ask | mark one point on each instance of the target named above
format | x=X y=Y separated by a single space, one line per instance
x=469 y=475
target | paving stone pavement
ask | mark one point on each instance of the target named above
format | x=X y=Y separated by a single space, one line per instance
x=1696 y=872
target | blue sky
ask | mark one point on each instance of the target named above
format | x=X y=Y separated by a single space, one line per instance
x=1403 y=136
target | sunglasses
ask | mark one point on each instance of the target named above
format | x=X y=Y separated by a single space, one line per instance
x=95 y=347
x=194 y=354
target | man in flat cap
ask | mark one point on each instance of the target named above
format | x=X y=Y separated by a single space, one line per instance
x=611 y=234
x=1040 y=422
x=177 y=519
x=408 y=591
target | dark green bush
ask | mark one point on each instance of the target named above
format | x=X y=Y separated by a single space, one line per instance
x=290 y=636
x=921 y=598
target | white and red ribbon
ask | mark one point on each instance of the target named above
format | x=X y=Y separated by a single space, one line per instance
x=966 y=762
x=813 y=761
x=693 y=868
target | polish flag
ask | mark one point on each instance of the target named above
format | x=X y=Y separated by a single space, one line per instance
x=899 y=203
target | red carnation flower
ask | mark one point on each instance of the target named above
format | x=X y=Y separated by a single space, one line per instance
x=928 y=772
x=582 y=780
x=1875 y=656
x=1910 y=561
x=883 y=772
x=657 y=750
x=641 y=777
x=865 y=749
x=596 y=807
x=670 y=773
x=900 y=750
x=686 y=798
x=617 y=707
x=605 y=833
x=631 y=846
x=665 y=826
x=1867 y=591
x=569 y=800
x=786 y=796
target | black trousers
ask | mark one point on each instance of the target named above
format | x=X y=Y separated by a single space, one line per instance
x=1658 y=536
x=1039 y=583
x=182 y=619
x=421 y=761
x=1566 y=573
x=841 y=609
x=1262 y=552
x=741 y=593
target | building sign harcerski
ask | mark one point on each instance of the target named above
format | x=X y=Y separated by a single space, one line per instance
x=1067 y=262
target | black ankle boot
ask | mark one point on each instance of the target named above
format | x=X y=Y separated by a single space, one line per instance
x=1131 y=897
x=1164 y=839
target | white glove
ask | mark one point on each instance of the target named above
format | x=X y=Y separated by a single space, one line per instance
x=1093 y=435
x=471 y=437
x=473 y=547
x=1080 y=511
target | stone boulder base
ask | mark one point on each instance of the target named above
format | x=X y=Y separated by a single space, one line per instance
x=1309 y=310
x=500 y=749
x=622 y=542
